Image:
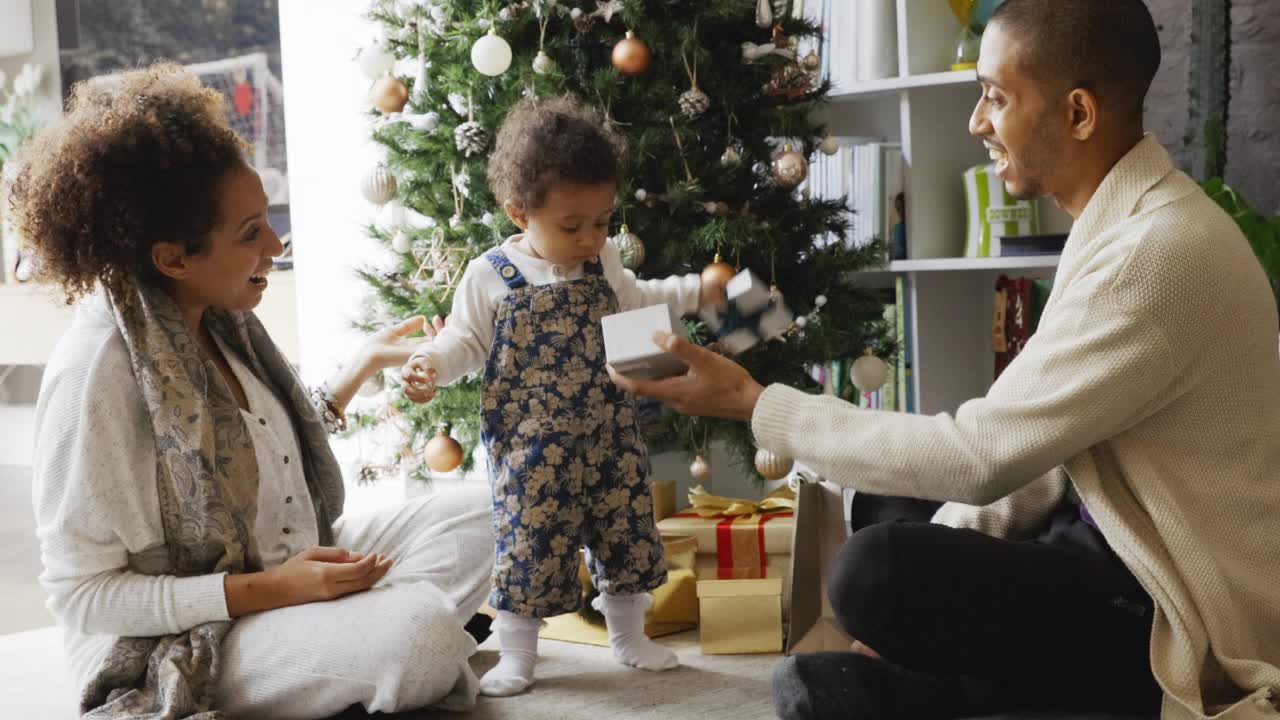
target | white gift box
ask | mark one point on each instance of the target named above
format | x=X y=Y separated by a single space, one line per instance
x=629 y=346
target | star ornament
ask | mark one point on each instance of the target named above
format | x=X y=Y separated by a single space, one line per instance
x=606 y=9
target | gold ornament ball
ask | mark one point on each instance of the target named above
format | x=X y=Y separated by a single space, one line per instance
x=772 y=466
x=731 y=157
x=630 y=248
x=700 y=469
x=389 y=94
x=829 y=146
x=443 y=453
x=811 y=61
x=789 y=167
x=718 y=273
x=869 y=373
x=631 y=56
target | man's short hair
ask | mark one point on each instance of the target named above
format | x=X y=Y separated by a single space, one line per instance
x=1109 y=47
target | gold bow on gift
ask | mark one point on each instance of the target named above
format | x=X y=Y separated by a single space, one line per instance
x=707 y=505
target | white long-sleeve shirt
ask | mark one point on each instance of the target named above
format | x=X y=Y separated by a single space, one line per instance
x=106 y=565
x=463 y=346
x=1154 y=379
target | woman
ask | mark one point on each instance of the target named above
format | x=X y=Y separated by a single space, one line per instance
x=188 y=506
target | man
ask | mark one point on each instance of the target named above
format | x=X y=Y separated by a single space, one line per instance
x=1152 y=386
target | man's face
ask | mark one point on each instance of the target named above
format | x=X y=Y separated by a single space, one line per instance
x=1017 y=119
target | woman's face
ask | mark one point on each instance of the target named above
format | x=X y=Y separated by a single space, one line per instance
x=231 y=272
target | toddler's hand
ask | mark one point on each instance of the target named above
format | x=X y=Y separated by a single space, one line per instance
x=419 y=379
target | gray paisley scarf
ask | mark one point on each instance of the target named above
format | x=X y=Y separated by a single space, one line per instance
x=207 y=481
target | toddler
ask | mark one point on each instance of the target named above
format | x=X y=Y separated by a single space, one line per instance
x=568 y=465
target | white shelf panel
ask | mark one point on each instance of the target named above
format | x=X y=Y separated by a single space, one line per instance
x=888 y=86
x=1014 y=262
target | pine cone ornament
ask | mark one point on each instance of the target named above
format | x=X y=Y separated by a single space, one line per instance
x=471 y=138
x=694 y=102
x=584 y=22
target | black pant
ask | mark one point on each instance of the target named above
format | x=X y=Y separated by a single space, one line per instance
x=1058 y=623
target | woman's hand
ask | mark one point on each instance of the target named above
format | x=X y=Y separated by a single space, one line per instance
x=382 y=350
x=313 y=575
x=714 y=386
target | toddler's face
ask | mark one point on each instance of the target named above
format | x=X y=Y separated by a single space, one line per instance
x=573 y=223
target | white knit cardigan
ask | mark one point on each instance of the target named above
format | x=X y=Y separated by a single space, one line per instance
x=1154 y=380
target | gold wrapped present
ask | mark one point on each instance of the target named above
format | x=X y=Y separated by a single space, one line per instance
x=742 y=535
x=740 y=616
x=674 y=609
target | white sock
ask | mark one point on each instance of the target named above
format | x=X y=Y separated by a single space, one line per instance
x=518 y=638
x=624 y=614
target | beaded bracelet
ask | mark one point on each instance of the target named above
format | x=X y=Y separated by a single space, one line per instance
x=333 y=419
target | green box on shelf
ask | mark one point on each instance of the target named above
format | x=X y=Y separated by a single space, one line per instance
x=993 y=213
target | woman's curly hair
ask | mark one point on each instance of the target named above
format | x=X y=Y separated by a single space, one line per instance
x=550 y=140
x=134 y=162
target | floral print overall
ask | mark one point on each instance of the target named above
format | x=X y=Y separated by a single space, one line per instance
x=568 y=465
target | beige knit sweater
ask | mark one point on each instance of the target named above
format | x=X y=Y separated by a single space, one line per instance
x=1154 y=380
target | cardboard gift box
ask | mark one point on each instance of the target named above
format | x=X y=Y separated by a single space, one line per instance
x=629 y=346
x=740 y=616
x=674 y=608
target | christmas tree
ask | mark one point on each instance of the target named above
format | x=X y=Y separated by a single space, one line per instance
x=716 y=99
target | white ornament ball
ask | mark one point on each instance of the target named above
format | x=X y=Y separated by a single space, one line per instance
x=801 y=321
x=869 y=373
x=543 y=64
x=437 y=13
x=487 y=219
x=771 y=466
x=491 y=55
x=375 y=61
x=700 y=469
x=455 y=221
x=400 y=242
x=820 y=300
x=372 y=386
x=829 y=146
x=575 y=13
x=709 y=207
x=378 y=185
x=641 y=194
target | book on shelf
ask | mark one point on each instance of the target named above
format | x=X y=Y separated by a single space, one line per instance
x=870 y=174
x=1024 y=245
x=860 y=38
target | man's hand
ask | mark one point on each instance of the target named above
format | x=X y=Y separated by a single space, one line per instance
x=714 y=386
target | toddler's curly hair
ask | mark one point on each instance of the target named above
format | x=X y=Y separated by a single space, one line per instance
x=133 y=162
x=550 y=140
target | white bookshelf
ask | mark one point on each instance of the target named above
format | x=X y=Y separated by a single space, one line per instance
x=927 y=108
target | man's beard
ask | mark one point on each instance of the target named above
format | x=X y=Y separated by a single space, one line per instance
x=1042 y=147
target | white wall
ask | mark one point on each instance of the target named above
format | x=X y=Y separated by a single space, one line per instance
x=325 y=101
